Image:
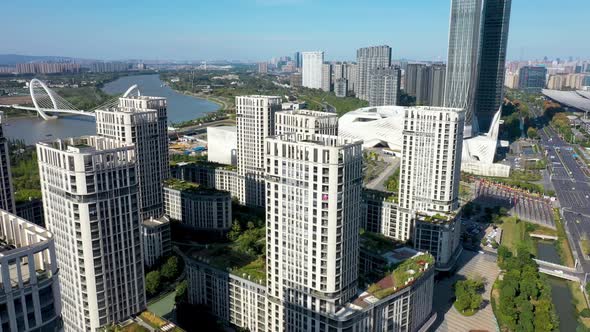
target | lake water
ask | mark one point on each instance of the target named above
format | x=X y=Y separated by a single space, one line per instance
x=180 y=108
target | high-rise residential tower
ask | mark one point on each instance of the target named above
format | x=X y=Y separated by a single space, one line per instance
x=314 y=185
x=6 y=188
x=369 y=58
x=327 y=77
x=255 y=119
x=384 y=86
x=462 y=62
x=312 y=69
x=494 y=38
x=437 y=84
x=142 y=121
x=430 y=163
x=90 y=199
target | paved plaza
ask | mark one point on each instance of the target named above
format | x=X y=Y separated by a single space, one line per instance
x=470 y=264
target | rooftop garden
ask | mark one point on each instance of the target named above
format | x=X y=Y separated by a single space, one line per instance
x=188 y=187
x=242 y=256
x=376 y=242
x=181 y=185
x=437 y=218
x=402 y=275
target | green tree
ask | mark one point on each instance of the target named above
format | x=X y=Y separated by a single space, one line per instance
x=181 y=295
x=235 y=231
x=532 y=133
x=170 y=269
x=152 y=282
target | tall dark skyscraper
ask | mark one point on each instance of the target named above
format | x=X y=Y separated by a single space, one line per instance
x=297 y=59
x=494 y=38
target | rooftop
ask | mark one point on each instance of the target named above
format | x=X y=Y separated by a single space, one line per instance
x=309 y=113
x=401 y=276
x=190 y=187
x=225 y=257
x=435 y=218
x=85 y=144
x=576 y=99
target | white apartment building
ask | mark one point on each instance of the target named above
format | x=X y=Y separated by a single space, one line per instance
x=306 y=121
x=156 y=239
x=6 y=188
x=313 y=206
x=197 y=207
x=90 y=200
x=29 y=287
x=142 y=121
x=255 y=117
x=234 y=299
x=312 y=69
x=430 y=168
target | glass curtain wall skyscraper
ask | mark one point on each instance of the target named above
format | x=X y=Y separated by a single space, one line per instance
x=462 y=61
x=494 y=38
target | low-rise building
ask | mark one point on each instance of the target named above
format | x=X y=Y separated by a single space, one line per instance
x=197 y=207
x=440 y=235
x=156 y=238
x=380 y=213
x=29 y=287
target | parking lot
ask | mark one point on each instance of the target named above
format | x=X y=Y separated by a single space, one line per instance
x=526 y=207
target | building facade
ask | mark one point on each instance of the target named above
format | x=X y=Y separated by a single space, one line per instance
x=6 y=188
x=462 y=62
x=30 y=299
x=255 y=117
x=380 y=212
x=437 y=84
x=91 y=205
x=311 y=73
x=306 y=121
x=494 y=39
x=320 y=178
x=532 y=78
x=368 y=59
x=197 y=207
x=142 y=121
x=327 y=77
x=340 y=87
x=440 y=236
x=384 y=86
x=157 y=240
x=430 y=164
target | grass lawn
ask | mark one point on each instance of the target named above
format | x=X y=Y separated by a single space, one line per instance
x=579 y=301
x=585 y=244
x=514 y=234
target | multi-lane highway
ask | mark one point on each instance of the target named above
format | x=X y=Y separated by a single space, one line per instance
x=572 y=187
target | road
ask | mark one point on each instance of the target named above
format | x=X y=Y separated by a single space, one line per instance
x=572 y=188
x=197 y=129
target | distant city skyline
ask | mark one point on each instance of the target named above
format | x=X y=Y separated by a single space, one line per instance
x=232 y=30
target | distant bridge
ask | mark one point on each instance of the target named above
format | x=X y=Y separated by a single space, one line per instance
x=47 y=102
x=560 y=271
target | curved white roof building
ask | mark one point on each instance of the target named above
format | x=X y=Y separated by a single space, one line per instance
x=383 y=126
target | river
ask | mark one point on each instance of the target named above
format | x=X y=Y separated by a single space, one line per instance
x=561 y=295
x=180 y=108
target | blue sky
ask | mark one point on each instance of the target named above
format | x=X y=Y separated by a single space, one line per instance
x=261 y=29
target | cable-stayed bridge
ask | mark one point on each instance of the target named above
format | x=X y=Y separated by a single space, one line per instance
x=48 y=103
